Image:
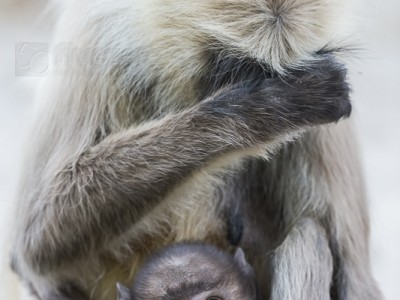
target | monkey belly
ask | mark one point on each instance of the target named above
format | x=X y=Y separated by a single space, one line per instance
x=183 y=216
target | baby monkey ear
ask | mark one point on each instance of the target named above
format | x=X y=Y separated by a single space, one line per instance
x=123 y=292
x=240 y=260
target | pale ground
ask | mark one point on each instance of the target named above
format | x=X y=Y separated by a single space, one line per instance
x=375 y=78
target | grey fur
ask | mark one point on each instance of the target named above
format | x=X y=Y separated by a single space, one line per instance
x=158 y=143
x=308 y=241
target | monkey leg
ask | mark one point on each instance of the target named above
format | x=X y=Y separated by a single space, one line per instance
x=347 y=219
x=343 y=209
x=320 y=175
x=302 y=265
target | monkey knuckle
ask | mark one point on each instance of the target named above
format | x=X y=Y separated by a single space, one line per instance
x=344 y=109
x=339 y=112
x=334 y=98
x=341 y=104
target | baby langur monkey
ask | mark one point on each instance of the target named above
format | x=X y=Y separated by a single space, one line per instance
x=193 y=271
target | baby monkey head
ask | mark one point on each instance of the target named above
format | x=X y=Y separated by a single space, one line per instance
x=193 y=271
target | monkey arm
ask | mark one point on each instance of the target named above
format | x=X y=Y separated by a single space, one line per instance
x=112 y=184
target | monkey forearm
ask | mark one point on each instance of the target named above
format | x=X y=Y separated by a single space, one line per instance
x=115 y=182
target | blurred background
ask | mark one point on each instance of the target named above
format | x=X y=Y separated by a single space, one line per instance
x=375 y=78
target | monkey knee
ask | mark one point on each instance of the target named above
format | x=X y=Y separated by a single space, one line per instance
x=310 y=227
x=307 y=242
x=310 y=234
x=302 y=265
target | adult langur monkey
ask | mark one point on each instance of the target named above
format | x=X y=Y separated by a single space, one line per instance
x=165 y=140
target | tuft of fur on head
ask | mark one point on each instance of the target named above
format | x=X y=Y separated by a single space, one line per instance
x=279 y=33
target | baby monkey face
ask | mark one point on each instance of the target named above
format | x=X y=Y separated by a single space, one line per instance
x=193 y=271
